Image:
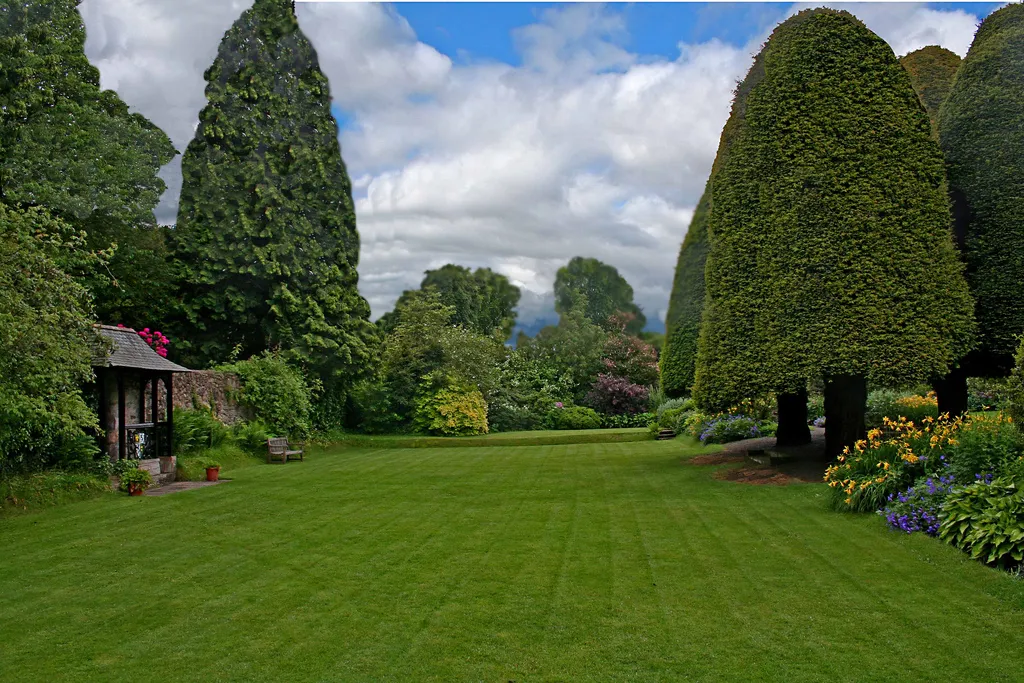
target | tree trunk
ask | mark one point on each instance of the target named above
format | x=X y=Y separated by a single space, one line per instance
x=846 y=398
x=951 y=391
x=793 y=429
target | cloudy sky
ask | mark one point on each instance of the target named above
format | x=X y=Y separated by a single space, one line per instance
x=513 y=136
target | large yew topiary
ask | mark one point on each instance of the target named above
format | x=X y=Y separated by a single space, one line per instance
x=831 y=255
x=931 y=72
x=981 y=131
x=682 y=324
x=266 y=233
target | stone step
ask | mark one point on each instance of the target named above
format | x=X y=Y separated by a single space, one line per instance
x=665 y=434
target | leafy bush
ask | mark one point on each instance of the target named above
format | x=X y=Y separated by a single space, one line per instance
x=510 y=417
x=572 y=417
x=277 y=393
x=677 y=404
x=613 y=395
x=198 y=429
x=374 y=412
x=1015 y=387
x=984 y=447
x=883 y=403
x=985 y=393
x=815 y=408
x=636 y=420
x=452 y=411
x=918 y=508
x=45 y=339
x=986 y=519
x=251 y=436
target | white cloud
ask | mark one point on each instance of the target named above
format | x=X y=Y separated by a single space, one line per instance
x=586 y=149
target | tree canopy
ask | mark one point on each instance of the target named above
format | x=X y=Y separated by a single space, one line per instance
x=931 y=70
x=606 y=292
x=483 y=301
x=981 y=130
x=77 y=151
x=266 y=234
x=831 y=254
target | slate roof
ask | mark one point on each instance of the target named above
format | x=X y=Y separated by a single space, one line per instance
x=130 y=351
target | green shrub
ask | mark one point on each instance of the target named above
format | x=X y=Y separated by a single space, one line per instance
x=573 y=417
x=251 y=436
x=277 y=393
x=986 y=519
x=635 y=421
x=674 y=404
x=984 y=447
x=373 y=410
x=198 y=429
x=511 y=417
x=988 y=393
x=452 y=411
x=1015 y=387
x=815 y=407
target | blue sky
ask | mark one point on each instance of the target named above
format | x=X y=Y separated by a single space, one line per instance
x=467 y=31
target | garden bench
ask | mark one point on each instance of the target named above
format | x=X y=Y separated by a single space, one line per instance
x=279 y=449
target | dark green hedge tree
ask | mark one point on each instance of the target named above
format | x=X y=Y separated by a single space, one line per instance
x=606 y=292
x=682 y=324
x=931 y=71
x=831 y=255
x=981 y=131
x=266 y=235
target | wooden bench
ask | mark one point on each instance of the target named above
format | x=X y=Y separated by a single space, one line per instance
x=279 y=449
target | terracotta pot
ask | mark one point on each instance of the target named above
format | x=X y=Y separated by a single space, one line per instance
x=212 y=473
x=135 y=490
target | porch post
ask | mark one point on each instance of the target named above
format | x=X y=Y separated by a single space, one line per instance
x=169 y=386
x=122 y=433
x=156 y=415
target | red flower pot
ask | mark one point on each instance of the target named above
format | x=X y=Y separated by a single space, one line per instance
x=212 y=473
x=135 y=490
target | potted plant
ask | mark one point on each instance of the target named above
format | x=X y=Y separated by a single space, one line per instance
x=212 y=469
x=135 y=481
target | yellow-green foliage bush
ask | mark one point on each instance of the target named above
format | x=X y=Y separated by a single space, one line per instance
x=452 y=411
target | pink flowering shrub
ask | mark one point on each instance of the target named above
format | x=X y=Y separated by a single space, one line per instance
x=156 y=340
x=628 y=356
x=614 y=395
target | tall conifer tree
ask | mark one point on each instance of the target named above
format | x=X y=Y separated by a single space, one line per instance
x=266 y=234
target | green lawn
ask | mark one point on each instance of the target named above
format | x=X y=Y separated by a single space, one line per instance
x=611 y=561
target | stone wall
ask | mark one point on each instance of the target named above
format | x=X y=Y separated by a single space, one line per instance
x=212 y=389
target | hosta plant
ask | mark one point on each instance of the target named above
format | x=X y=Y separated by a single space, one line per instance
x=986 y=520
